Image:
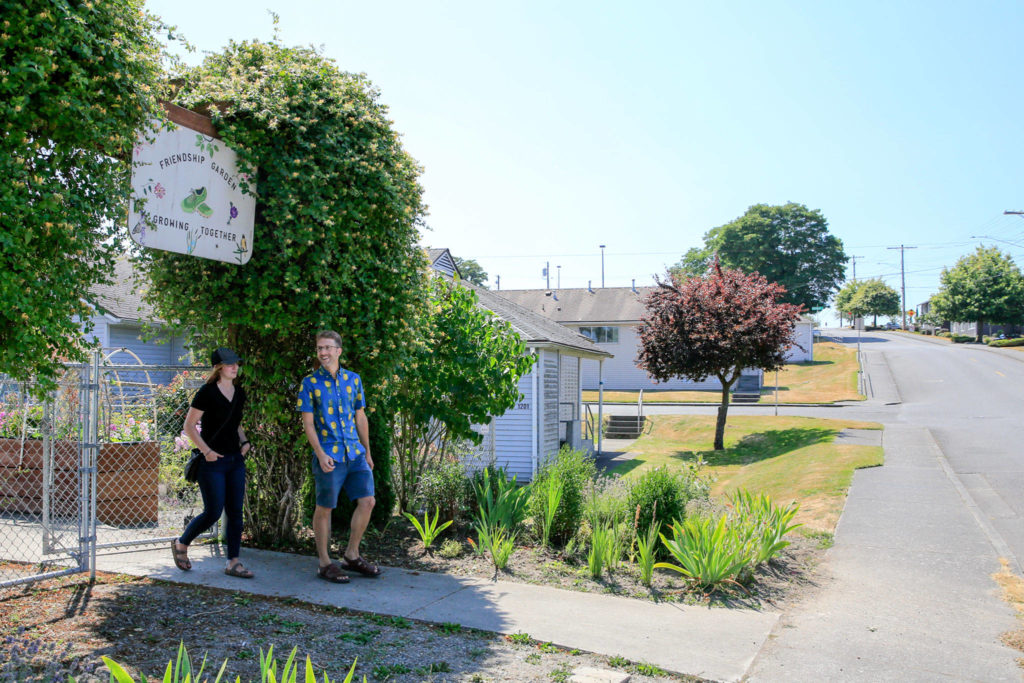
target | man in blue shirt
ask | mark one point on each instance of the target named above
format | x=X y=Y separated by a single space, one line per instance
x=331 y=401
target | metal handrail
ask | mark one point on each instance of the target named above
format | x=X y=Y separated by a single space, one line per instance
x=640 y=409
x=588 y=423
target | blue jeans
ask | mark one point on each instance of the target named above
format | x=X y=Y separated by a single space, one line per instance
x=222 y=484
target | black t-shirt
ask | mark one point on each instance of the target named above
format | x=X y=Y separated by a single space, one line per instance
x=218 y=411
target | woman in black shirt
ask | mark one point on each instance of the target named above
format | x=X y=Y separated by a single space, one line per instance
x=218 y=406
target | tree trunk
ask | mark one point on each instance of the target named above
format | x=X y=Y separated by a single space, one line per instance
x=723 y=410
x=980 y=330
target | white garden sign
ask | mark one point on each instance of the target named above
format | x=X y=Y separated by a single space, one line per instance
x=187 y=196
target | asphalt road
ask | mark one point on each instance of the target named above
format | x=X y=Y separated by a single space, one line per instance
x=971 y=398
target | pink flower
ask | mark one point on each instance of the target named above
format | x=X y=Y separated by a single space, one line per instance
x=159 y=190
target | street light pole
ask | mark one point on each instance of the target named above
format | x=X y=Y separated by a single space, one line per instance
x=558 y=269
x=602 y=265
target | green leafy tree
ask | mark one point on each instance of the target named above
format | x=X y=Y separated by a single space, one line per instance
x=876 y=298
x=715 y=325
x=788 y=244
x=78 y=80
x=472 y=271
x=338 y=210
x=465 y=368
x=986 y=286
x=845 y=298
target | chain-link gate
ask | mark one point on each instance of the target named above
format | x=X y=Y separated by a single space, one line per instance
x=96 y=464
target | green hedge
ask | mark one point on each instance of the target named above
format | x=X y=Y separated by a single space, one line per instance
x=1019 y=341
x=961 y=338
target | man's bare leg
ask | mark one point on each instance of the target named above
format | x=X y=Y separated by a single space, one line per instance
x=360 y=520
x=322 y=533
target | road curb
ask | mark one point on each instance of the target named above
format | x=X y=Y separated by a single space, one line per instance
x=998 y=544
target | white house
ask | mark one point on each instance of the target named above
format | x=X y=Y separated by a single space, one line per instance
x=551 y=410
x=610 y=316
x=802 y=349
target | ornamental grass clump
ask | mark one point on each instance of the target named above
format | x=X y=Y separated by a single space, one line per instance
x=428 y=529
x=707 y=552
x=767 y=524
x=647 y=546
x=181 y=670
x=573 y=470
x=554 y=497
x=501 y=502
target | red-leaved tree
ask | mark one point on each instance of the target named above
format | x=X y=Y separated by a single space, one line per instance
x=715 y=325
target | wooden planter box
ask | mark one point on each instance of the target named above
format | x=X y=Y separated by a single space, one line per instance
x=126 y=481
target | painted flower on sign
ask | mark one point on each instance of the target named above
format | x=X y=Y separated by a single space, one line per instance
x=159 y=191
x=233 y=213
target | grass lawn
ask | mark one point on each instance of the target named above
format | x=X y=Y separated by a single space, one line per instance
x=831 y=377
x=790 y=458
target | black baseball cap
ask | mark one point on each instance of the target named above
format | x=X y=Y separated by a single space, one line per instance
x=225 y=356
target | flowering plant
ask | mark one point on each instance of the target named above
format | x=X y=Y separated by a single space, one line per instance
x=124 y=427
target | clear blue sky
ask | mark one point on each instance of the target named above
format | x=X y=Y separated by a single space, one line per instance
x=546 y=129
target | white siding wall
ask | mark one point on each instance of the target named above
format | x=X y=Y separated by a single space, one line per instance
x=550 y=395
x=568 y=387
x=804 y=336
x=622 y=374
x=513 y=434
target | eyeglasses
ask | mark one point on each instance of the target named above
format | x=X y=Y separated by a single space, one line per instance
x=320 y=349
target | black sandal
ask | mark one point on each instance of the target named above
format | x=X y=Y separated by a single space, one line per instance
x=181 y=560
x=360 y=565
x=332 y=573
x=238 y=570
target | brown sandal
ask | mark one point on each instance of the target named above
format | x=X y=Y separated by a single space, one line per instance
x=360 y=565
x=332 y=573
x=238 y=570
x=181 y=560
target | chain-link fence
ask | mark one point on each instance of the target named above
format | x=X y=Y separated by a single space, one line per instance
x=43 y=531
x=95 y=464
x=141 y=494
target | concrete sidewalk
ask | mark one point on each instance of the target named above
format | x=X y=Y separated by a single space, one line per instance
x=717 y=643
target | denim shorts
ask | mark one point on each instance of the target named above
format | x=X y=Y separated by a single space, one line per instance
x=355 y=477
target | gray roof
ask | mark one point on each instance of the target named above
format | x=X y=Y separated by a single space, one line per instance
x=604 y=305
x=122 y=298
x=442 y=260
x=536 y=330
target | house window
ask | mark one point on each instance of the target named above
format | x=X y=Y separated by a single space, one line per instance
x=601 y=335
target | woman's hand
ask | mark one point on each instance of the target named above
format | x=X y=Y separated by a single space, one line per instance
x=246 y=447
x=212 y=455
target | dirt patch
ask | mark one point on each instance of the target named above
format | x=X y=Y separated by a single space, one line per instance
x=1013 y=593
x=62 y=627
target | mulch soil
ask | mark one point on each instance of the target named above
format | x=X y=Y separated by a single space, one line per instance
x=62 y=627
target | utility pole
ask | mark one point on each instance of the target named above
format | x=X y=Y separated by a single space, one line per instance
x=547 y=275
x=903 y=284
x=853 y=260
x=558 y=269
x=497 y=279
x=602 y=265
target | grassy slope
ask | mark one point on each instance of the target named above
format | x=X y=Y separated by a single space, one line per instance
x=831 y=377
x=790 y=458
